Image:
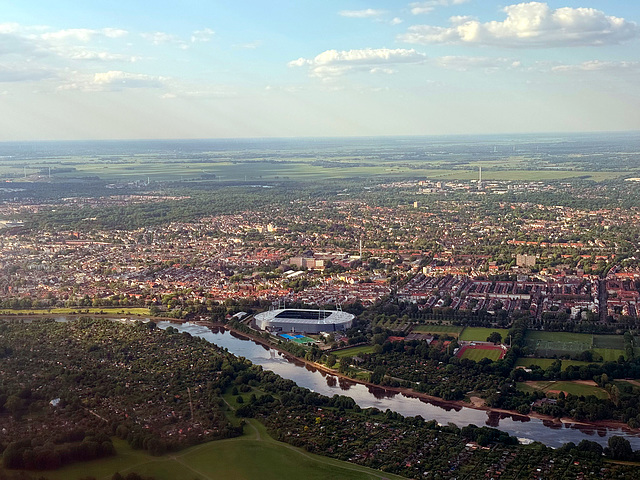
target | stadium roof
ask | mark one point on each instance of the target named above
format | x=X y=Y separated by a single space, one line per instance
x=305 y=316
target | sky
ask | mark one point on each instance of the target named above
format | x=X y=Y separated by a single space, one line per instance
x=141 y=69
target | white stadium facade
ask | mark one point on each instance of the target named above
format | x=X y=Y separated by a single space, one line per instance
x=287 y=320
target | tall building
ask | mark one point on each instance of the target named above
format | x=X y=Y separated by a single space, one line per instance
x=523 y=260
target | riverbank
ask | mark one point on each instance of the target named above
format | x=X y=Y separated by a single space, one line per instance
x=494 y=415
x=552 y=422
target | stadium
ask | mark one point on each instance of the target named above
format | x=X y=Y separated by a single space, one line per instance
x=304 y=321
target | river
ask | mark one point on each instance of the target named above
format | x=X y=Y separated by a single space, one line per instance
x=523 y=427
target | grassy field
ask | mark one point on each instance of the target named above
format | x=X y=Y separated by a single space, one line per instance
x=548 y=344
x=235 y=165
x=78 y=310
x=609 y=354
x=452 y=330
x=480 y=334
x=254 y=455
x=545 y=363
x=478 y=354
x=349 y=352
x=569 y=387
x=615 y=342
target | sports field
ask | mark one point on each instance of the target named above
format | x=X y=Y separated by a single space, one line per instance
x=615 y=342
x=254 y=455
x=297 y=338
x=574 y=388
x=480 y=334
x=545 y=363
x=549 y=344
x=348 y=352
x=477 y=353
x=452 y=330
x=609 y=354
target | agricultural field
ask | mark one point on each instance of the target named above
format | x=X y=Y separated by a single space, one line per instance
x=574 y=388
x=242 y=165
x=545 y=363
x=349 y=352
x=451 y=330
x=477 y=354
x=480 y=334
x=253 y=455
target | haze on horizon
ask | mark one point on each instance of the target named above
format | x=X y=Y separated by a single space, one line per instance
x=128 y=70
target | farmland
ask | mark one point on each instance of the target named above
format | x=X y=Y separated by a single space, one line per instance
x=277 y=160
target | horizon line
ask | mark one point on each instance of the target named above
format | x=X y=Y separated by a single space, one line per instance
x=327 y=137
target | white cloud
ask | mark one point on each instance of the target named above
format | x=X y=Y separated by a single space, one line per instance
x=204 y=35
x=599 y=66
x=163 y=38
x=113 y=80
x=532 y=24
x=419 y=8
x=395 y=21
x=9 y=27
x=119 y=79
x=386 y=71
x=367 y=13
x=464 y=63
x=114 y=32
x=83 y=34
x=84 y=54
x=332 y=63
x=460 y=19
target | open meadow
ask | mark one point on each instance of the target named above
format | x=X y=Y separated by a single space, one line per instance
x=253 y=455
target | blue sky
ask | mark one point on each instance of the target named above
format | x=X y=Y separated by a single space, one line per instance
x=206 y=69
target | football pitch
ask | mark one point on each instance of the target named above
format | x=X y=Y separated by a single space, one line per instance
x=550 y=344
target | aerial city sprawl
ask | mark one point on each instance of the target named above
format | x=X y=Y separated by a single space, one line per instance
x=442 y=317
x=336 y=240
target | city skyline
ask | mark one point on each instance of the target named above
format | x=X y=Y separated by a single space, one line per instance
x=191 y=70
